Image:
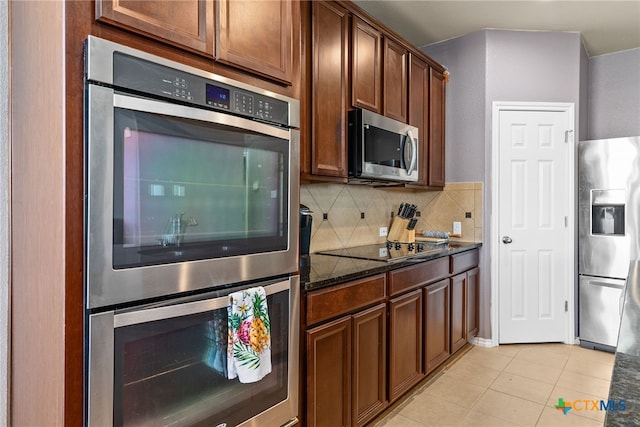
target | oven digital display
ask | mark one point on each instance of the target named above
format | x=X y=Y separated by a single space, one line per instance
x=218 y=96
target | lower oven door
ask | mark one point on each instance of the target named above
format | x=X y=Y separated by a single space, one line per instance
x=167 y=364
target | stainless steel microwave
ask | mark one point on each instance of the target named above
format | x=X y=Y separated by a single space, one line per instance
x=381 y=148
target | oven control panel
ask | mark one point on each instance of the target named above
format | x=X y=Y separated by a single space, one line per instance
x=150 y=78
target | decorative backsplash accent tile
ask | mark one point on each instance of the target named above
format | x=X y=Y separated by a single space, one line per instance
x=344 y=205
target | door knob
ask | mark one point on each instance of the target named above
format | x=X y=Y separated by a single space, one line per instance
x=506 y=240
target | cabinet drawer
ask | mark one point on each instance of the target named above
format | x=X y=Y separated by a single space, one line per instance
x=348 y=297
x=418 y=275
x=464 y=261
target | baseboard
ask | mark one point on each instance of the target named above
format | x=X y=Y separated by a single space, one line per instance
x=481 y=342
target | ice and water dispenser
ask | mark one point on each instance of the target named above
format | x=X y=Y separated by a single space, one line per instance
x=607 y=212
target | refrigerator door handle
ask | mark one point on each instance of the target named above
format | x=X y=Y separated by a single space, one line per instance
x=606 y=284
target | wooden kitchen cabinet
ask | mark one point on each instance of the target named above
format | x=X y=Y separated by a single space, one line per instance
x=465 y=292
x=457 y=289
x=395 y=80
x=366 y=66
x=369 y=382
x=329 y=374
x=187 y=24
x=357 y=62
x=436 y=141
x=419 y=112
x=257 y=36
x=473 y=302
x=427 y=113
x=436 y=325
x=346 y=369
x=405 y=343
x=365 y=351
x=346 y=347
x=330 y=83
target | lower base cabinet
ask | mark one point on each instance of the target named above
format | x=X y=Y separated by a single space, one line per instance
x=346 y=369
x=473 y=302
x=458 y=287
x=405 y=343
x=436 y=325
x=329 y=374
x=369 y=380
x=369 y=341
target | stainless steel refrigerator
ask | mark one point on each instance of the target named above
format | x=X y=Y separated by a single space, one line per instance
x=609 y=234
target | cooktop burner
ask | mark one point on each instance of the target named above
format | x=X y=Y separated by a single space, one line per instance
x=388 y=252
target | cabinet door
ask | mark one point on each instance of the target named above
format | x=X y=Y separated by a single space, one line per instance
x=366 y=66
x=436 y=325
x=369 y=364
x=330 y=28
x=458 y=312
x=329 y=374
x=405 y=343
x=257 y=36
x=419 y=111
x=185 y=23
x=395 y=81
x=436 y=128
x=473 y=309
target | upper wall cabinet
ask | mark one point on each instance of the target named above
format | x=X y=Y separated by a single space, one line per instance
x=379 y=72
x=436 y=128
x=256 y=36
x=419 y=111
x=395 y=80
x=356 y=62
x=366 y=66
x=187 y=23
x=329 y=89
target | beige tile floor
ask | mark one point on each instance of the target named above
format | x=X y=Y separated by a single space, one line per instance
x=510 y=385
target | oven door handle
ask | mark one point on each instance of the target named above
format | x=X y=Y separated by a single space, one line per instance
x=178 y=310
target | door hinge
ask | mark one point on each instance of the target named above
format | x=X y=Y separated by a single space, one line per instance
x=566 y=221
x=566 y=135
x=566 y=306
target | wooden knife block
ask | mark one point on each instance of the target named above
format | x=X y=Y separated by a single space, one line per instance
x=399 y=233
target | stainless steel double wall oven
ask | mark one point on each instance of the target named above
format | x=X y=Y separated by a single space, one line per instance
x=191 y=194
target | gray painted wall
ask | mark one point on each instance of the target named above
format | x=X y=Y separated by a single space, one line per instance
x=465 y=59
x=582 y=109
x=614 y=95
x=499 y=65
x=4 y=208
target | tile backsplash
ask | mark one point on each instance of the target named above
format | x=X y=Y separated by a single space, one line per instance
x=355 y=213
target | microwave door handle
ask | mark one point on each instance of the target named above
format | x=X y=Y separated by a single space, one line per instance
x=414 y=152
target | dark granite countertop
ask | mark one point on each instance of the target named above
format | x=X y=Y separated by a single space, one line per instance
x=625 y=380
x=319 y=271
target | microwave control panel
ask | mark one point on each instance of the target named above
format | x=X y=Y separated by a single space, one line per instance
x=141 y=76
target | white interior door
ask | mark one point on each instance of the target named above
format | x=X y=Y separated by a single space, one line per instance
x=535 y=212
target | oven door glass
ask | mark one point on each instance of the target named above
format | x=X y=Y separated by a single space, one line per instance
x=187 y=190
x=173 y=371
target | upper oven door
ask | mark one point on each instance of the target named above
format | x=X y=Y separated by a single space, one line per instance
x=181 y=198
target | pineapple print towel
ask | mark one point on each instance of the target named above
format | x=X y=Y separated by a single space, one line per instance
x=249 y=349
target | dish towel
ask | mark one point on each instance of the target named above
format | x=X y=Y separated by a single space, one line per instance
x=249 y=346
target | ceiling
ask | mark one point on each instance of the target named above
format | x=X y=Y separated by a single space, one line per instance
x=606 y=25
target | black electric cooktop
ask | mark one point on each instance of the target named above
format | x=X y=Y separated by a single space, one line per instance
x=389 y=252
